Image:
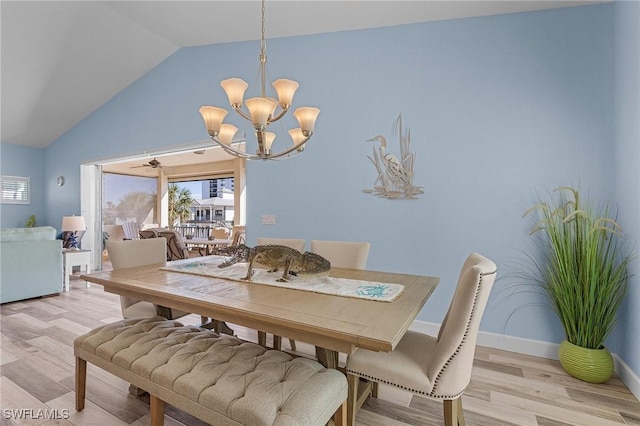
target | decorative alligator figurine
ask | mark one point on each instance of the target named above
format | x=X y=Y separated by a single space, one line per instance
x=274 y=257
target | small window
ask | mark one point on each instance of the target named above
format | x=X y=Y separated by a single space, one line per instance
x=16 y=190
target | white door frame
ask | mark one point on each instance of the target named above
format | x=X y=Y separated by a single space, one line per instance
x=91 y=196
x=91 y=209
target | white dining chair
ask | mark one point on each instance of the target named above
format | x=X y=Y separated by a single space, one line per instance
x=294 y=243
x=436 y=367
x=238 y=235
x=219 y=233
x=343 y=254
x=141 y=252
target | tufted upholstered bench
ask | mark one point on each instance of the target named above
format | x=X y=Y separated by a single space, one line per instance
x=216 y=378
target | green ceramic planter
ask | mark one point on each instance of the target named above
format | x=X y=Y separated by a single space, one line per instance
x=590 y=365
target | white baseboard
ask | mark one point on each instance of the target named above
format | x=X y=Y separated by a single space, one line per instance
x=534 y=348
x=627 y=375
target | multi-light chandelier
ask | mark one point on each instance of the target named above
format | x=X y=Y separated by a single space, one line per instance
x=261 y=112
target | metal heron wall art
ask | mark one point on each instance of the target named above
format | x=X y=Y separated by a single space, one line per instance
x=395 y=175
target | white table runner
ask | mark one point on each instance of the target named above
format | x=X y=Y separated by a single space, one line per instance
x=383 y=292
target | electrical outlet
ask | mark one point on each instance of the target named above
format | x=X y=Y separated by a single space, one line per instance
x=268 y=219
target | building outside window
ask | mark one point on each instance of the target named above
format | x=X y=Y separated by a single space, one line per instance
x=213 y=201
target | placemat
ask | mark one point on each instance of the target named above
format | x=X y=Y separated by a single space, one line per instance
x=383 y=292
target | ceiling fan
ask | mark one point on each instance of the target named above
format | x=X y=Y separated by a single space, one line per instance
x=154 y=164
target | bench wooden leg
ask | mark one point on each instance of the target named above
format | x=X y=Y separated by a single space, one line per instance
x=262 y=338
x=136 y=391
x=340 y=416
x=81 y=383
x=352 y=398
x=157 y=411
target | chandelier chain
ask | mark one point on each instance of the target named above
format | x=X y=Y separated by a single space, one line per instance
x=263 y=42
x=263 y=55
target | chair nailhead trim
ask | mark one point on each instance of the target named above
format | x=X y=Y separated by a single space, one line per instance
x=464 y=339
x=378 y=380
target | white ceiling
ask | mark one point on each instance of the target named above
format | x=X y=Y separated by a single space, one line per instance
x=62 y=60
x=199 y=161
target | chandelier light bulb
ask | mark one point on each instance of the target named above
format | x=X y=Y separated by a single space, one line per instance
x=268 y=140
x=297 y=136
x=261 y=109
x=213 y=117
x=285 y=90
x=227 y=132
x=234 y=88
x=307 y=116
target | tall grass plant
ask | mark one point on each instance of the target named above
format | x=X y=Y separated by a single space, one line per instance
x=582 y=267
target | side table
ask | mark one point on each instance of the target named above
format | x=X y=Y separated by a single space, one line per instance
x=71 y=258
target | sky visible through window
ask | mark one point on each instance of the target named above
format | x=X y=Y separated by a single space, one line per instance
x=195 y=187
x=134 y=198
x=117 y=186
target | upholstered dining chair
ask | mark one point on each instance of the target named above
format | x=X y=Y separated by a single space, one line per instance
x=142 y=252
x=343 y=254
x=294 y=243
x=219 y=233
x=436 y=367
x=238 y=238
x=238 y=235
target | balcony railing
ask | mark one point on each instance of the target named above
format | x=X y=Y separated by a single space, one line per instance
x=197 y=231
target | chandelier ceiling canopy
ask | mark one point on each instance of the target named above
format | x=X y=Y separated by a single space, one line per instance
x=262 y=111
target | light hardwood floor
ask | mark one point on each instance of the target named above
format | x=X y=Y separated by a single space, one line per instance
x=37 y=373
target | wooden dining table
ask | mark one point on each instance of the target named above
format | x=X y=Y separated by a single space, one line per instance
x=334 y=324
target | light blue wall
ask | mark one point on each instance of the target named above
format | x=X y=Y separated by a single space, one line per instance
x=627 y=107
x=500 y=108
x=16 y=160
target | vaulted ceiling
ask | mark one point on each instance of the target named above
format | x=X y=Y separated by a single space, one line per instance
x=62 y=60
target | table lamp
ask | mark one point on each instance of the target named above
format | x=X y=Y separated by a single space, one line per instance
x=73 y=224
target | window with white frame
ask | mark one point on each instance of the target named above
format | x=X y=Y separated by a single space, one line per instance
x=16 y=190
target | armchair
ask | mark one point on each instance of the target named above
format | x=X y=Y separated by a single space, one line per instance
x=176 y=249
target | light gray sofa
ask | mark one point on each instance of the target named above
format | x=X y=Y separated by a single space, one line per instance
x=30 y=263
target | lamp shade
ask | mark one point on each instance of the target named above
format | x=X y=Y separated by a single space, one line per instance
x=268 y=140
x=285 y=90
x=234 y=88
x=261 y=109
x=306 y=116
x=212 y=117
x=227 y=132
x=73 y=223
x=297 y=136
